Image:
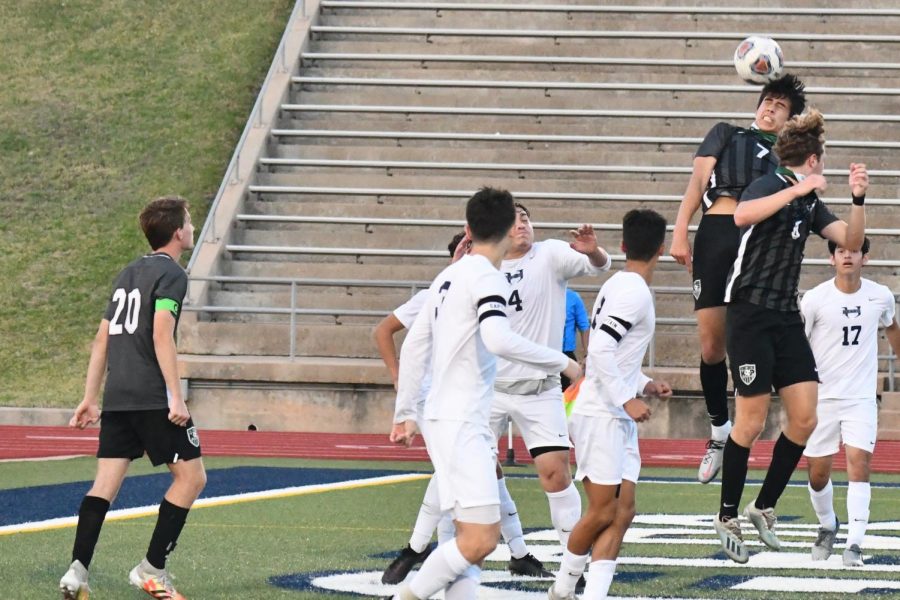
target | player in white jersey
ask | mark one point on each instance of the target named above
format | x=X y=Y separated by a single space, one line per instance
x=461 y=327
x=430 y=517
x=605 y=416
x=538 y=273
x=842 y=317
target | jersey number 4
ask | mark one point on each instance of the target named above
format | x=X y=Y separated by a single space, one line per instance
x=130 y=304
x=852 y=330
x=515 y=300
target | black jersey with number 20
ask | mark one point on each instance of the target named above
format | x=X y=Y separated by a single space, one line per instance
x=134 y=380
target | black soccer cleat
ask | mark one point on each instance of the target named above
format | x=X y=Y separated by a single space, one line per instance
x=403 y=564
x=580 y=585
x=528 y=565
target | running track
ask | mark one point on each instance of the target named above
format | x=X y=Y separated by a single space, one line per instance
x=46 y=442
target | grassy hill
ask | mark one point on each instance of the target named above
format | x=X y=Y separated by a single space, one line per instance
x=106 y=104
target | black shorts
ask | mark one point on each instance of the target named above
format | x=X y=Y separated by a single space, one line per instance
x=715 y=250
x=130 y=433
x=766 y=348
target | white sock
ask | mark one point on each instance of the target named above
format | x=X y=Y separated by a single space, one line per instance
x=510 y=525
x=599 y=577
x=571 y=566
x=565 y=510
x=441 y=568
x=427 y=521
x=823 y=504
x=446 y=528
x=466 y=585
x=720 y=432
x=859 y=493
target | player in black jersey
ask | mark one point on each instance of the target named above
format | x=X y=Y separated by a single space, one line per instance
x=725 y=163
x=767 y=343
x=143 y=409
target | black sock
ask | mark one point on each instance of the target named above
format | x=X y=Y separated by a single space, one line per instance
x=168 y=527
x=734 y=475
x=785 y=457
x=90 y=519
x=714 y=381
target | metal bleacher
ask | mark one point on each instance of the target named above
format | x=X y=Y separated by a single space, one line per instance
x=397 y=111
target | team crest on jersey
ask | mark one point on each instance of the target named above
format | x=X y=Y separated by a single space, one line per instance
x=748 y=373
x=697 y=288
x=856 y=312
x=510 y=277
x=193 y=437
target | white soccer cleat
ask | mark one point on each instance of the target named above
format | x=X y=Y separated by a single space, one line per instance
x=156 y=582
x=712 y=461
x=853 y=556
x=74 y=584
x=764 y=520
x=552 y=595
x=824 y=544
x=732 y=541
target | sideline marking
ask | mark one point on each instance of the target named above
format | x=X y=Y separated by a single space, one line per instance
x=797 y=584
x=149 y=510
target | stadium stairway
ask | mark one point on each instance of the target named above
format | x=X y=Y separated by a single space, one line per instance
x=389 y=115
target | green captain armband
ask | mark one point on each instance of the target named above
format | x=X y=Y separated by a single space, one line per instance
x=167 y=304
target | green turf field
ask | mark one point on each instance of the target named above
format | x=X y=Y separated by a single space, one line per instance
x=241 y=550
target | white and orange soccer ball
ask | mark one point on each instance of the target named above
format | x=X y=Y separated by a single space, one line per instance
x=758 y=59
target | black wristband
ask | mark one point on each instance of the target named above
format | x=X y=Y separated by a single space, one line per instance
x=858 y=200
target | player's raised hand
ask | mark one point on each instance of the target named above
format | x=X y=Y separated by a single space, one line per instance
x=584 y=239
x=178 y=412
x=637 y=409
x=859 y=179
x=462 y=248
x=86 y=413
x=812 y=183
x=403 y=433
x=660 y=389
x=681 y=252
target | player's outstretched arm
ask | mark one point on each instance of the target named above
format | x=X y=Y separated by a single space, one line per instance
x=88 y=411
x=584 y=241
x=167 y=357
x=500 y=339
x=383 y=336
x=415 y=356
x=681 y=247
x=852 y=233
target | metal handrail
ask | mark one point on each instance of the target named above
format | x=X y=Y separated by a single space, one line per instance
x=263 y=249
x=484 y=166
x=254 y=119
x=596 y=8
x=563 y=112
x=583 y=60
x=599 y=34
x=519 y=194
x=535 y=138
x=398 y=222
x=577 y=85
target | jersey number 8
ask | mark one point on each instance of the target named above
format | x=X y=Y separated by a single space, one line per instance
x=131 y=303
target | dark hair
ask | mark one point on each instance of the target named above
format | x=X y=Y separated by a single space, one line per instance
x=787 y=86
x=802 y=136
x=643 y=232
x=490 y=214
x=521 y=206
x=454 y=242
x=161 y=218
x=832 y=247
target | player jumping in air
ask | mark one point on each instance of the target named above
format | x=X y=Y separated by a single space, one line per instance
x=842 y=317
x=143 y=410
x=767 y=345
x=461 y=328
x=604 y=419
x=725 y=163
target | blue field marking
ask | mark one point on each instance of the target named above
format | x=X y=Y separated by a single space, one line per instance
x=39 y=503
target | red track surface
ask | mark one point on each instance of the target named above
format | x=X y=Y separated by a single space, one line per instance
x=45 y=442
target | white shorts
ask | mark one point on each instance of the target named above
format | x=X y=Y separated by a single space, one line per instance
x=606 y=449
x=853 y=422
x=465 y=466
x=541 y=418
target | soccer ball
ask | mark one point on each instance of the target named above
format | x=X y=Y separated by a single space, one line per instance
x=758 y=59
